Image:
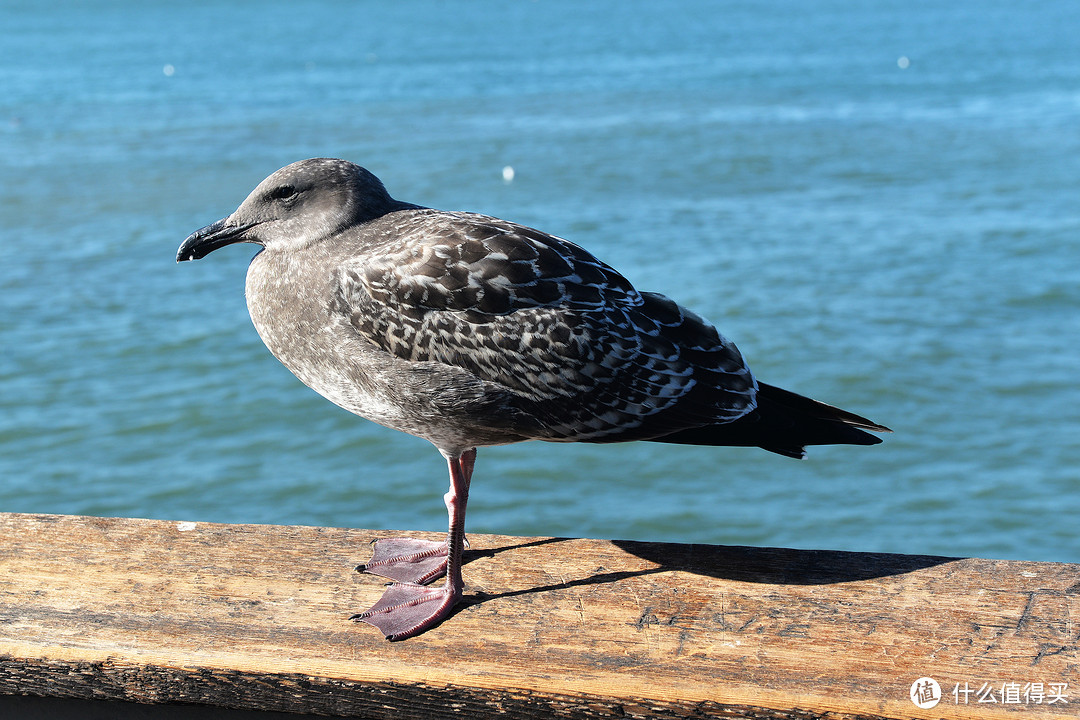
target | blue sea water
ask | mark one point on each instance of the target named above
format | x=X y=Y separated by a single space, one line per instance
x=878 y=201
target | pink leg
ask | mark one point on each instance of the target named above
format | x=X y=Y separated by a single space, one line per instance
x=407 y=608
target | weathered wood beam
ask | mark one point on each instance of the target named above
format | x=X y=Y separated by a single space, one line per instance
x=255 y=617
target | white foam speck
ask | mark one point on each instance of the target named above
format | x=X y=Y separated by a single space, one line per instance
x=185 y=526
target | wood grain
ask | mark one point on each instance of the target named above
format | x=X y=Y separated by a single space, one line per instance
x=255 y=617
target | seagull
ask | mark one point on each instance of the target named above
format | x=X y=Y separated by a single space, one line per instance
x=470 y=331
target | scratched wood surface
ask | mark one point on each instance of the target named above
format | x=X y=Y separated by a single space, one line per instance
x=255 y=617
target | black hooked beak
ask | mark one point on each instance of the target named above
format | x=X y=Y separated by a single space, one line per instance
x=202 y=242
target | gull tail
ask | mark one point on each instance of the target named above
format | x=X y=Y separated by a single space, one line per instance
x=785 y=423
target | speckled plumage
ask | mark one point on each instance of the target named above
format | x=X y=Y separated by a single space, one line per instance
x=564 y=338
x=469 y=331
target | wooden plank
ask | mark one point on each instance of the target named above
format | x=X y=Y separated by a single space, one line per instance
x=29 y=707
x=255 y=617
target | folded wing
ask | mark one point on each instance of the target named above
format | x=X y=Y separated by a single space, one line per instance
x=568 y=338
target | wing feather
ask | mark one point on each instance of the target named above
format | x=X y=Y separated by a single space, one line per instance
x=566 y=335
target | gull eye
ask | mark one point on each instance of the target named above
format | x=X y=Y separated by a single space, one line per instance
x=282 y=192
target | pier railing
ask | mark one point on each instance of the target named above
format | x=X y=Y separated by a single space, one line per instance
x=254 y=618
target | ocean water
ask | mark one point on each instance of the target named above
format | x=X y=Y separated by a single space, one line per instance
x=879 y=202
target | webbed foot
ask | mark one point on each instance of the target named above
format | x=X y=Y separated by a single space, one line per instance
x=407 y=609
x=407 y=560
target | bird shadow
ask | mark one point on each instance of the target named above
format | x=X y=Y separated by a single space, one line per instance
x=764 y=565
x=779 y=566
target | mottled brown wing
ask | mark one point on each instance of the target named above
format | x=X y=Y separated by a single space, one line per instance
x=582 y=350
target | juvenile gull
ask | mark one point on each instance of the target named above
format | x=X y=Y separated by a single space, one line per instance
x=468 y=331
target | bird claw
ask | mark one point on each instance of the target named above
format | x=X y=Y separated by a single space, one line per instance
x=407 y=560
x=407 y=609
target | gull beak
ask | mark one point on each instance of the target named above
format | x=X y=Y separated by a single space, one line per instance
x=202 y=242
